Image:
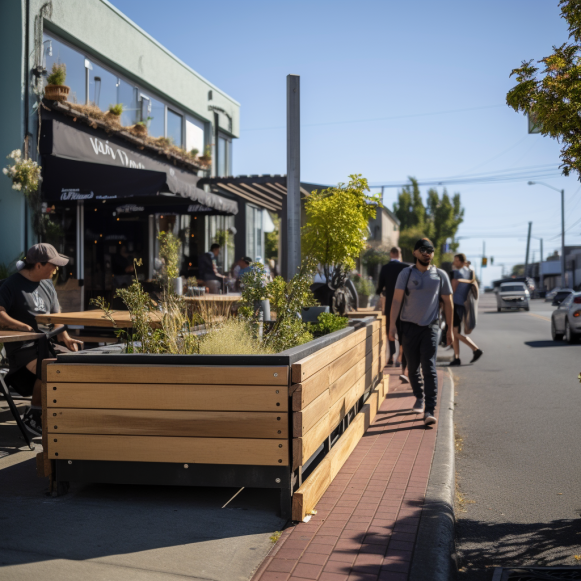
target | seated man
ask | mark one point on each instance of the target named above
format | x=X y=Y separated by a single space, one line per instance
x=207 y=269
x=23 y=295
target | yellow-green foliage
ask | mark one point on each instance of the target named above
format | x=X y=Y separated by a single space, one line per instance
x=169 y=250
x=232 y=337
x=116 y=109
x=58 y=74
x=337 y=222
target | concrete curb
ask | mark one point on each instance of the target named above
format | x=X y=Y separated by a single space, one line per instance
x=434 y=555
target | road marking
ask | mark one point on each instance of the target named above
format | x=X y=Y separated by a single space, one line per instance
x=538 y=317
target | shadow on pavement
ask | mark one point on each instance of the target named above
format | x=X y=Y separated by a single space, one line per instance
x=123 y=532
x=537 y=344
x=486 y=546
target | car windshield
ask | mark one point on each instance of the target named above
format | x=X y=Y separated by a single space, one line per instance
x=562 y=294
x=511 y=288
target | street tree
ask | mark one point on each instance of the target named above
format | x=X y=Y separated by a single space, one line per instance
x=336 y=230
x=551 y=94
x=438 y=219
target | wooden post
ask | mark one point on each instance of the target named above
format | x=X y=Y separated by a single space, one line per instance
x=292 y=257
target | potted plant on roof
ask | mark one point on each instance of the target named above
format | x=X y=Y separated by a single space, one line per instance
x=206 y=159
x=56 y=90
x=113 y=116
x=140 y=128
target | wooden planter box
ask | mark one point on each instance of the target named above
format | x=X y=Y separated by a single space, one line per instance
x=268 y=421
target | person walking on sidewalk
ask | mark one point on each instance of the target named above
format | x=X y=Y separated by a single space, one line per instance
x=464 y=276
x=416 y=302
x=385 y=288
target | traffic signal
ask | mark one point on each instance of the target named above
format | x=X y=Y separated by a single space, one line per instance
x=484 y=261
x=491 y=260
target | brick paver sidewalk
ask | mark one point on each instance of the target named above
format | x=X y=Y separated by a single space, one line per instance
x=366 y=522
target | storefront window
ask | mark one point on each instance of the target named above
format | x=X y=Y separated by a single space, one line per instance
x=223 y=161
x=175 y=128
x=254 y=233
x=153 y=113
x=219 y=231
x=195 y=135
x=102 y=87
x=58 y=52
x=127 y=95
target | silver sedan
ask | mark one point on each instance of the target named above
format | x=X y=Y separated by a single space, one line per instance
x=566 y=319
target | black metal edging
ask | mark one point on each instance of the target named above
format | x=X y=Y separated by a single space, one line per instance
x=288 y=357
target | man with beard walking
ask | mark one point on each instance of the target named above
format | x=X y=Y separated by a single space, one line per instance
x=416 y=302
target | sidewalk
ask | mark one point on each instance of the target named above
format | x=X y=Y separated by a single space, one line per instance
x=366 y=523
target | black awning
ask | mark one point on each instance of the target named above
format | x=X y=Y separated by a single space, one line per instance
x=108 y=167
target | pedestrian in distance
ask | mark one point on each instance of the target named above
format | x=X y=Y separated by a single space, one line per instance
x=416 y=303
x=464 y=277
x=385 y=288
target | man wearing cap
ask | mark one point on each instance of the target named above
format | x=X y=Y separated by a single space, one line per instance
x=24 y=295
x=416 y=302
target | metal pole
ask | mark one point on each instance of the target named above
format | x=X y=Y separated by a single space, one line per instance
x=528 y=248
x=293 y=175
x=541 y=268
x=562 y=238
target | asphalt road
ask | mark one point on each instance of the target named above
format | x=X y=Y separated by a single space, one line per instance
x=518 y=415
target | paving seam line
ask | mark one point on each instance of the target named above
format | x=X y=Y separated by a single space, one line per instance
x=434 y=556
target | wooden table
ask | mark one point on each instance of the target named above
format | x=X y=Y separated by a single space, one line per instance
x=15 y=336
x=209 y=298
x=209 y=304
x=95 y=318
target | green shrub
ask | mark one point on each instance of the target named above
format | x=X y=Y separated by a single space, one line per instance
x=58 y=74
x=116 y=109
x=363 y=286
x=232 y=337
x=328 y=323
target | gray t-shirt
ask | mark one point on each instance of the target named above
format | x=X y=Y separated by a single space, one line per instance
x=421 y=301
x=461 y=292
x=23 y=299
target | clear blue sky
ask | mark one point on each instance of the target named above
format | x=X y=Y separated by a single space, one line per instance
x=361 y=62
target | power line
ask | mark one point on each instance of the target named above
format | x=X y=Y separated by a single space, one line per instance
x=380 y=118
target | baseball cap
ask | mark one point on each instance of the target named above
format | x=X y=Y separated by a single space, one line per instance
x=45 y=253
x=424 y=242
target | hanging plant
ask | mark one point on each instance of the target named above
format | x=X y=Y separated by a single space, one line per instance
x=56 y=90
x=26 y=178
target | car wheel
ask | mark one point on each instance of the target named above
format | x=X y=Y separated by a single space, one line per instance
x=570 y=335
x=527 y=308
x=556 y=336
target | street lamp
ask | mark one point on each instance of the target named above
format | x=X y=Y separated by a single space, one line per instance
x=562 y=227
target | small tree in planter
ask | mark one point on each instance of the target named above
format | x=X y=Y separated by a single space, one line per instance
x=56 y=90
x=169 y=251
x=113 y=115
x=336 y=232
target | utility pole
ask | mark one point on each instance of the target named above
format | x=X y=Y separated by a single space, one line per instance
x=562 y=238
x=541 y=275
x=528 y=248
x=293 y=177
x=482 y=261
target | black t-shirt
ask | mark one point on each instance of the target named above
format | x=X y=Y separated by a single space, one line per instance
x=23 y=299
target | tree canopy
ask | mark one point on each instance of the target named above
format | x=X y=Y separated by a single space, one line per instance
x=438 y=219
x=337 y=223
x=552 y=96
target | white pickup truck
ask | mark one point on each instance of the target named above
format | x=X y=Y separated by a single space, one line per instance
x=512 y=295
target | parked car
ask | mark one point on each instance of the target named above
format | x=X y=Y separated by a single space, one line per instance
x=512 y=295
x=552 y=293
x=561 y=296
x=566 y=320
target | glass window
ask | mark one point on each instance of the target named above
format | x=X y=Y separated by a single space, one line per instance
x=219 y=231
x=127 y=95
x=102 y=87
x=195 y=135
x=153 y=113
x=175 y=128
x=223 y=166
x=254 y=233
x=57 y=52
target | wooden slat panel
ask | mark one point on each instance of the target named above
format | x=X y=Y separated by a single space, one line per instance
x=168 y=423
x=168 y=449
x=307 y=496
x=87 y=373
x=304 y=420
x=305 y=447
x=313 y=363
x=167 y=397
x=307 y=391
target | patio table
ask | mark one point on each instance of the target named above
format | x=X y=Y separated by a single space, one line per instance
x=15 y=336
x=95 y=318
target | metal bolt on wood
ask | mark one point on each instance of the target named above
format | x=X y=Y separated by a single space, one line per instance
x=277 y=480
x=70 y=461
x=276 y=375
x=186 y=466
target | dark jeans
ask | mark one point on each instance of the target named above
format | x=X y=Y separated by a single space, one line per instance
x=420 y=345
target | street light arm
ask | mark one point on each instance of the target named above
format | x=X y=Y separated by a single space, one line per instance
x=544 y=184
